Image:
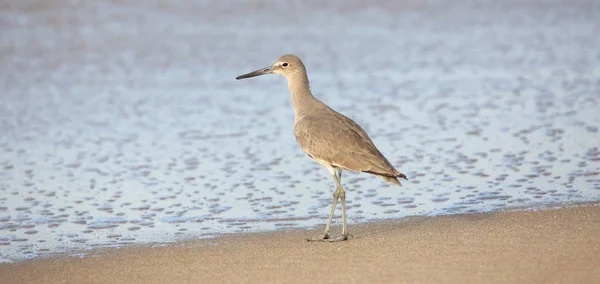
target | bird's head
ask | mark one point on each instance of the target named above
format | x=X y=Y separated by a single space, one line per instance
x=287 y=66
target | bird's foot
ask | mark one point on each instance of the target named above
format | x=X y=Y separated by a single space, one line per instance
x=344 y=237
x=321 y=238
x=326 y=238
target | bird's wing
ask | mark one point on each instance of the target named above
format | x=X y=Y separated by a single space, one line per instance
x=337 y=140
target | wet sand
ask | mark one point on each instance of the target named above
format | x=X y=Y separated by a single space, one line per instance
x=546 y=246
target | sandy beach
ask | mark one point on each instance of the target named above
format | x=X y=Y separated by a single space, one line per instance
x=544 y=246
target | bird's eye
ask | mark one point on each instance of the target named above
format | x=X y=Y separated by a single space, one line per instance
x=285 y=64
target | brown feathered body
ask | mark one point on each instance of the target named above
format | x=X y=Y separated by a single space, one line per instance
x=333 y=139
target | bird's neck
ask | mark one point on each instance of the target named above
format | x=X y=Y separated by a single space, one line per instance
x=302 y=99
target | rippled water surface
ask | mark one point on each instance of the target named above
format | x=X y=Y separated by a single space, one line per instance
x=122 y=122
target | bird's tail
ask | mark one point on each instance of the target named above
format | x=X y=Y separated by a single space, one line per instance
x=394 y=179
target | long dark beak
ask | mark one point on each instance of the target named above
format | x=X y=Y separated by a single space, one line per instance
x=263 y=71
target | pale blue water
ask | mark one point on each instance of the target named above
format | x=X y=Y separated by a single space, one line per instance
x=122 y=123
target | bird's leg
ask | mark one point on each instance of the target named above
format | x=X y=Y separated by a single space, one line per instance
x=343 y=199
x=336 y=195
x=342 y=196
x=325 y=235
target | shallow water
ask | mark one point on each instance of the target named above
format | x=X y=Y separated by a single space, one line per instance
x=122 y=123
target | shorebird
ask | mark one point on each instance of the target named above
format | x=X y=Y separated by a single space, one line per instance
x=328 y=137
